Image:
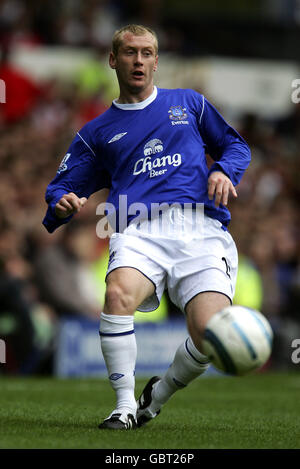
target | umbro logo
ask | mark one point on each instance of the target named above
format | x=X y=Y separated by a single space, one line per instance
x=116 y=376
x=117 y=137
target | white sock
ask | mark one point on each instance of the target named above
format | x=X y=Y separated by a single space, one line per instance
x=187 y=365
x=119 y=350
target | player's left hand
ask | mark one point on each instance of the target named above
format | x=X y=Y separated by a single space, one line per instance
x=220 y=186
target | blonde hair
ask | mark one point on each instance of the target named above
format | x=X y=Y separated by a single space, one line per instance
x=136 y=30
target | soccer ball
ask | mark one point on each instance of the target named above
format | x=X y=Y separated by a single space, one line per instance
x=238 y=340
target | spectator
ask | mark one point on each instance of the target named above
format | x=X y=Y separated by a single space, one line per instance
x=21 y=92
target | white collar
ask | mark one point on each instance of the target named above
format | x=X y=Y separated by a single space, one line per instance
x=136 y=106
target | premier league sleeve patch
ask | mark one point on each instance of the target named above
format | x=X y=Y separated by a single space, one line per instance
x=63 y=165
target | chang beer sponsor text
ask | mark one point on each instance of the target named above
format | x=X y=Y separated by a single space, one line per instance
x=155 y=165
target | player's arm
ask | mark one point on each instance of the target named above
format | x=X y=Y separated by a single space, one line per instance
x=229 y=150
x=79 y=175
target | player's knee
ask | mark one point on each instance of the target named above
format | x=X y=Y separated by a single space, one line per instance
x=196 y=331
x=118 y=300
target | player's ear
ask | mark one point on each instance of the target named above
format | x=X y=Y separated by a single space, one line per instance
x=155 y=64
x=112 y=60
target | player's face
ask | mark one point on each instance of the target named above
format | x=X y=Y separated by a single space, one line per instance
x=135 y=63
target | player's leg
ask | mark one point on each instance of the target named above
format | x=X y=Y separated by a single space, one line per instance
x=189 y=361
x=126 y=290
x=199 y=311
x=206 y=284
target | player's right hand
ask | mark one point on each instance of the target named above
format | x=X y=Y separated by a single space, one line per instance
x=69 y=204
x=220 y=186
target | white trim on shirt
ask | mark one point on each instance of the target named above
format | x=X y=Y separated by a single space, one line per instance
x=137 y=106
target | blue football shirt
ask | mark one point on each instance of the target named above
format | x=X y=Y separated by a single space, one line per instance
x=152 y=152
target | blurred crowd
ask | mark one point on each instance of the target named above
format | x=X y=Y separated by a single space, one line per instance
x=89 y=23
x=266 y=227
x=42 y=276
x=45 y=277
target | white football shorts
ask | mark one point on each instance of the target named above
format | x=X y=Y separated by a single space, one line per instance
x=186 y=261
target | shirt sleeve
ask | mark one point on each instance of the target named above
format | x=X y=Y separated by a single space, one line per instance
x=223 y=143
x=80 y=172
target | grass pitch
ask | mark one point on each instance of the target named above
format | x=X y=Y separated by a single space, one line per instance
x=257 y=411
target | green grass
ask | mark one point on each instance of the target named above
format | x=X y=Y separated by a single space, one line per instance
x=257 y=411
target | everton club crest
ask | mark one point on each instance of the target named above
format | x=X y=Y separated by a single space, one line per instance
x=178 y=115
